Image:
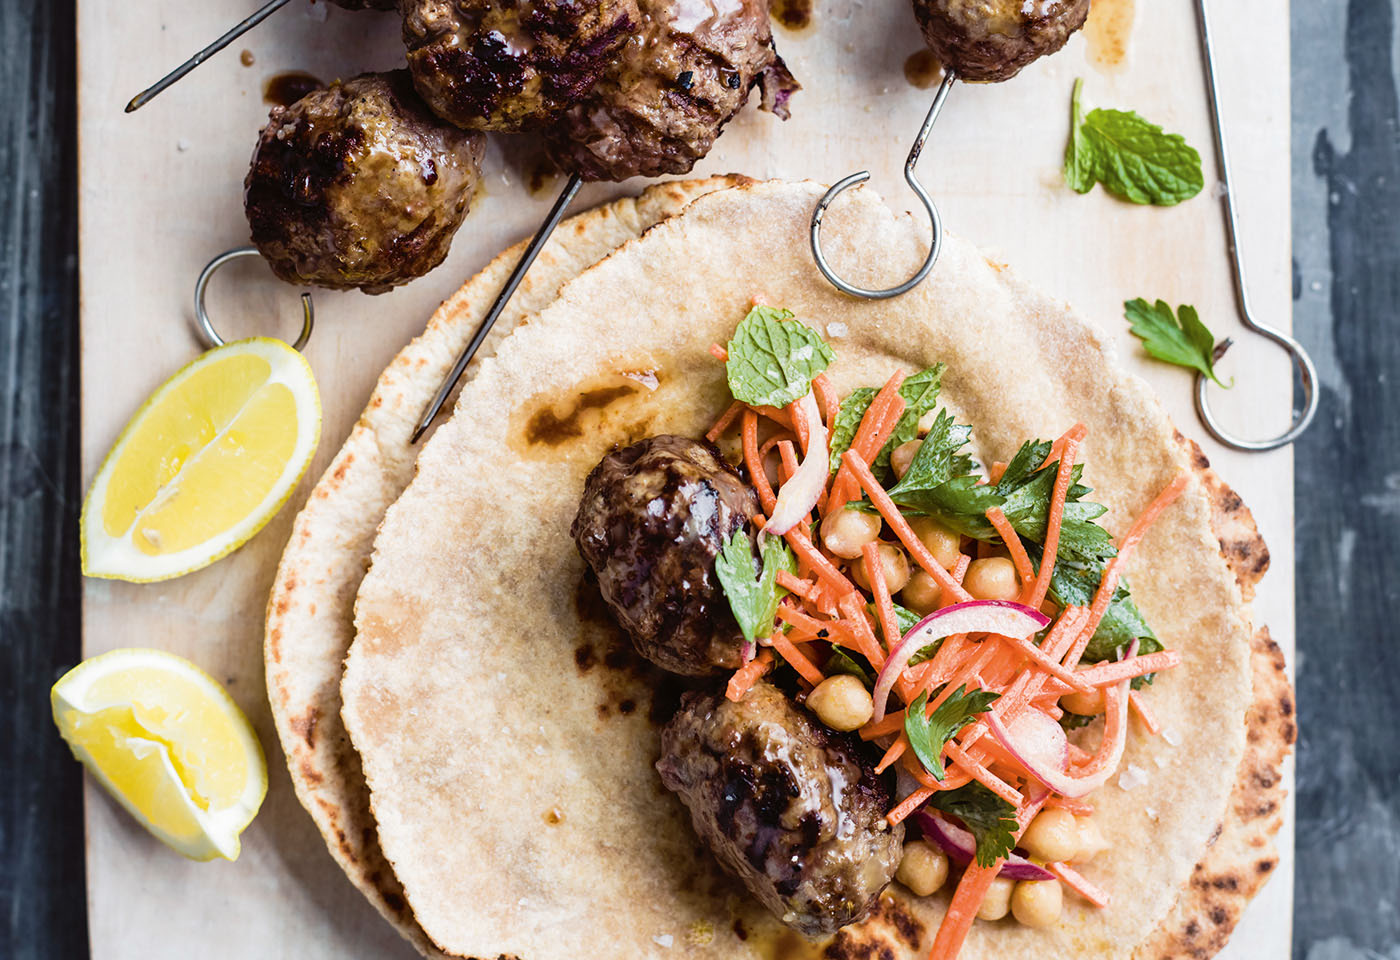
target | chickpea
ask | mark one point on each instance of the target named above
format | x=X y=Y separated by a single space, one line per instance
x=846 y=531
x=1053 y=836
x=1085 y=704
x=923 y=868
x=903 y=455
x=894 y=564
x=1037 y=903
x=922 y=593
x=992 y=578
x=944 y=544
x=1091 y=839
x=997 y=903
x=841 y=702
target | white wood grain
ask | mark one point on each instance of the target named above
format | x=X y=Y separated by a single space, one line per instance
x=161 y=194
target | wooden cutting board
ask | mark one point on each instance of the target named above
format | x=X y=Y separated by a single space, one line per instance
x=161 y=195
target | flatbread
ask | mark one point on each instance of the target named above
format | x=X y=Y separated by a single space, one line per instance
x=510 y=763
x=309 y=616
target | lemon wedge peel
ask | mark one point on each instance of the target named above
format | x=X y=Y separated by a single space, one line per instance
x=120 y=558
x=149 y=771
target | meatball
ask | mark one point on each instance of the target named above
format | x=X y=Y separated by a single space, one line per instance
x=510 y=65
x=790 y=807
x=652 y=519
x=671 y=89
x=358 y=185
x=993 y=39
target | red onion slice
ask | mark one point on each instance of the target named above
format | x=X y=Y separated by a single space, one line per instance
x=1000 y=617
x=961 y=848
x=798 y=497
x=1093 y=774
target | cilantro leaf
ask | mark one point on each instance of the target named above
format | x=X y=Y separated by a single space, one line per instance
x=772 y=358
x=848 y=418
x=1181 y=339
x=842 y=662
x=1132 y=158
x=928 y=734
x=753 y=595
x=990 y=819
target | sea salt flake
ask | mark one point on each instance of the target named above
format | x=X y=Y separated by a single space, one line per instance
x=837 y=329
x=1170 y=735
x=1132 y=777
x=665 y=940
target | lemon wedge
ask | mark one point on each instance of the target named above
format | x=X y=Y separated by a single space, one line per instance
x=204 y=464
x=169 y=743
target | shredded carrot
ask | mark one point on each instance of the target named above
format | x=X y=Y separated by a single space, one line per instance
x=802 y=546
x=1048 y=663
x=723 y=423
x=1079 y=808
x=1014 y=546
x=901 y=527
x=1104 y=596
x=877 y=415
x=826 y=398
x=893 y=752
x=982 y=775
x=908 y=805
x=719 y=353
x=997 y=471
x=802 y=588
x=866 y=643
x=778 y=415
x=1055 y=519
x=757 y=475
x=800 y=426
x=1116 y=671
x=884 y=606
x=746 y=676
x=1080 y=884
x=1144 y=713
x=788 y=454
x=799 y=662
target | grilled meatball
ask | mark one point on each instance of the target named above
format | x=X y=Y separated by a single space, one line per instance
x=507 y=64
x=787 y=805
x=358 y=185
x=993 y=39
x=675 y=83
x=652 y=519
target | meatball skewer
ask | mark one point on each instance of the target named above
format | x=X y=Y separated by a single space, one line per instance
x=238 y=29
x=658 y=109
x=983 y=42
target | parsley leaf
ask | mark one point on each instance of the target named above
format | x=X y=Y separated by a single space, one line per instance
x=1132 y=158
x=1076 y=582
x=1181 y=339
x=990 y=819
x=928 y=734
x=772 y=358
x=848 y=418
x=753 y=595
x=931 y=486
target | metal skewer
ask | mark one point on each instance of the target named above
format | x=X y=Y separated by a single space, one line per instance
x=935 y=245
x=1307 y=372
x=211 y=336
x=242 y=27
x=556 y=213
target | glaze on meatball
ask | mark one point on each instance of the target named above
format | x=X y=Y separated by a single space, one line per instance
x=989 y=40
x=359 y=185
x=651 y=521
x=788 y=806
x=511 y=65
x=671 y=89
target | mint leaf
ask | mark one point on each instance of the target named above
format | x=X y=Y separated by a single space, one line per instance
x=848 y=418
x=990 y=819
x=753 y=595
x=1181 y=339
x=928 y=734
x=1133 y=158
x=773 y=358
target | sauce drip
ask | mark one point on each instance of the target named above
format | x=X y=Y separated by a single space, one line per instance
x=246 y=58
x=922 y=69
x=1107 y=31
x=792 y=14
x=547 y=427
x=285 y=89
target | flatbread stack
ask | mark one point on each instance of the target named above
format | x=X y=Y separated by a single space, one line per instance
x=469 y=730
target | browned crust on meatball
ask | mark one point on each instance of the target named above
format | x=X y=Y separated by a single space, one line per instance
x=987 y=55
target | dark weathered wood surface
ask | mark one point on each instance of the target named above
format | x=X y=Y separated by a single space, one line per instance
x=1346 y=160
